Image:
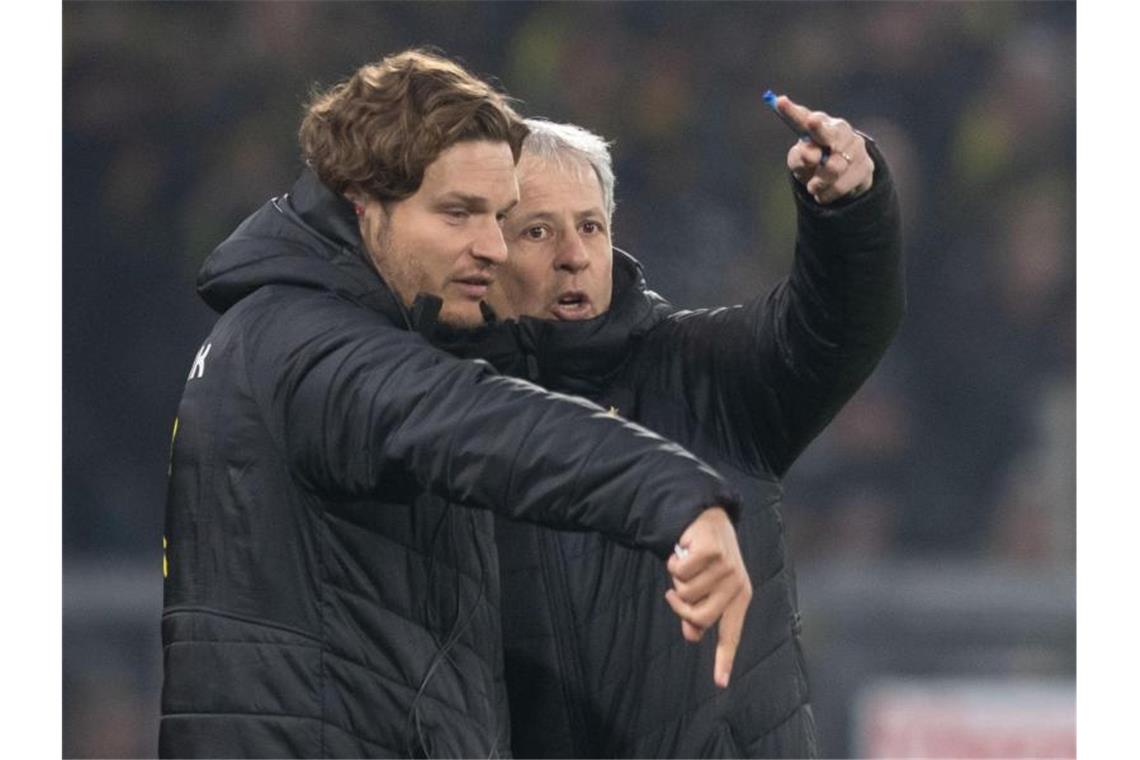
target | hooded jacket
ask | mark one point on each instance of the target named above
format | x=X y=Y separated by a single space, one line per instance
x=595 y=662
x=332 y=584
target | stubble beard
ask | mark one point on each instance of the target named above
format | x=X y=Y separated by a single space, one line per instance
x=403 y=274
x=394 y=268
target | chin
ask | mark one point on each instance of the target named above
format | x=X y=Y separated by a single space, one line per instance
x=465 y=317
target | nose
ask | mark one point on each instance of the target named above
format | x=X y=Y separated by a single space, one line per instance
x=572 y=255
x=490 y=246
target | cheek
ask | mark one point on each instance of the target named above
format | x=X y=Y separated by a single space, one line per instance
x=429 y=258
x=524 y=277
x=604 y=270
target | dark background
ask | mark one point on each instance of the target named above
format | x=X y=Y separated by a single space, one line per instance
x=932 y=523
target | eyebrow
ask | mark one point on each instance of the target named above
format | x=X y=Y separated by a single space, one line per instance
x=476 y=203
x=549 y=216
x=473 y=202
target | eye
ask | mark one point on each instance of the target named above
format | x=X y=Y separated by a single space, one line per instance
x=591 y=227
x=457 y=213
x=536 y=233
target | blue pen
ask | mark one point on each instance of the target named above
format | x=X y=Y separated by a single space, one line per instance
x=770 y=99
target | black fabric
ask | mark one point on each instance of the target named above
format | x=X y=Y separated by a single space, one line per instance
x=595 y=662
x=329 y=592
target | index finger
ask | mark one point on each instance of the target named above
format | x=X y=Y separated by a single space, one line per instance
x=816 y=126
x=728 y=638
x=795 y=112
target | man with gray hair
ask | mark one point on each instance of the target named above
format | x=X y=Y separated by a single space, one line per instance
x=594 y=665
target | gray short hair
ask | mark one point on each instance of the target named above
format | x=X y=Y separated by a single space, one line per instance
x=562 y=143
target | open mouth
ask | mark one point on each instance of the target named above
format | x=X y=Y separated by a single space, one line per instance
x=573 y=304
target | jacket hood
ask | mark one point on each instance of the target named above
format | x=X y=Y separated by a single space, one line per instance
x=306 y=238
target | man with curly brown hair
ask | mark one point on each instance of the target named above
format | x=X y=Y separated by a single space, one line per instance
x=332 y=582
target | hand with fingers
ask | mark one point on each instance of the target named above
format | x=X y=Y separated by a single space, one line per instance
x=833 y=162
x=710 y=583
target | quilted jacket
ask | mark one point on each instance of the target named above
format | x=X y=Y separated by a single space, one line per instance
x=333 y=586
x=595 y=662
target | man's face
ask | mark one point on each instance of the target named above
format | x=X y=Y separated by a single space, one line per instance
x=561 y=261
x=446 y=239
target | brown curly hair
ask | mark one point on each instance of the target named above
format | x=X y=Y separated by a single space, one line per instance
x=377 y=131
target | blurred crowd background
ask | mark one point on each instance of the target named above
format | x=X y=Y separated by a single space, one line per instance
x=932 y=523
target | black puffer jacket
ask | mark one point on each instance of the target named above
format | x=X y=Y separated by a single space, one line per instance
x=596 y=665
x=328 y=592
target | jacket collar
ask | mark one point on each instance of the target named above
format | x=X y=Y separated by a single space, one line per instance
x=581 y=357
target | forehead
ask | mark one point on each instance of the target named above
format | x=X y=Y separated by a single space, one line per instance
x=473 y=167
x=568 y=181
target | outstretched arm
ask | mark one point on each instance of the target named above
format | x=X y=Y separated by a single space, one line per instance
x=358 y=405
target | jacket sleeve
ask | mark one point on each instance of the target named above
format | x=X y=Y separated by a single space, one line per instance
x=360 y=407
x=770 y=374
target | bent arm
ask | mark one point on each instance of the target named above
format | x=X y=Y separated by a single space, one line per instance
x=361 y=405
x=790 y=360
